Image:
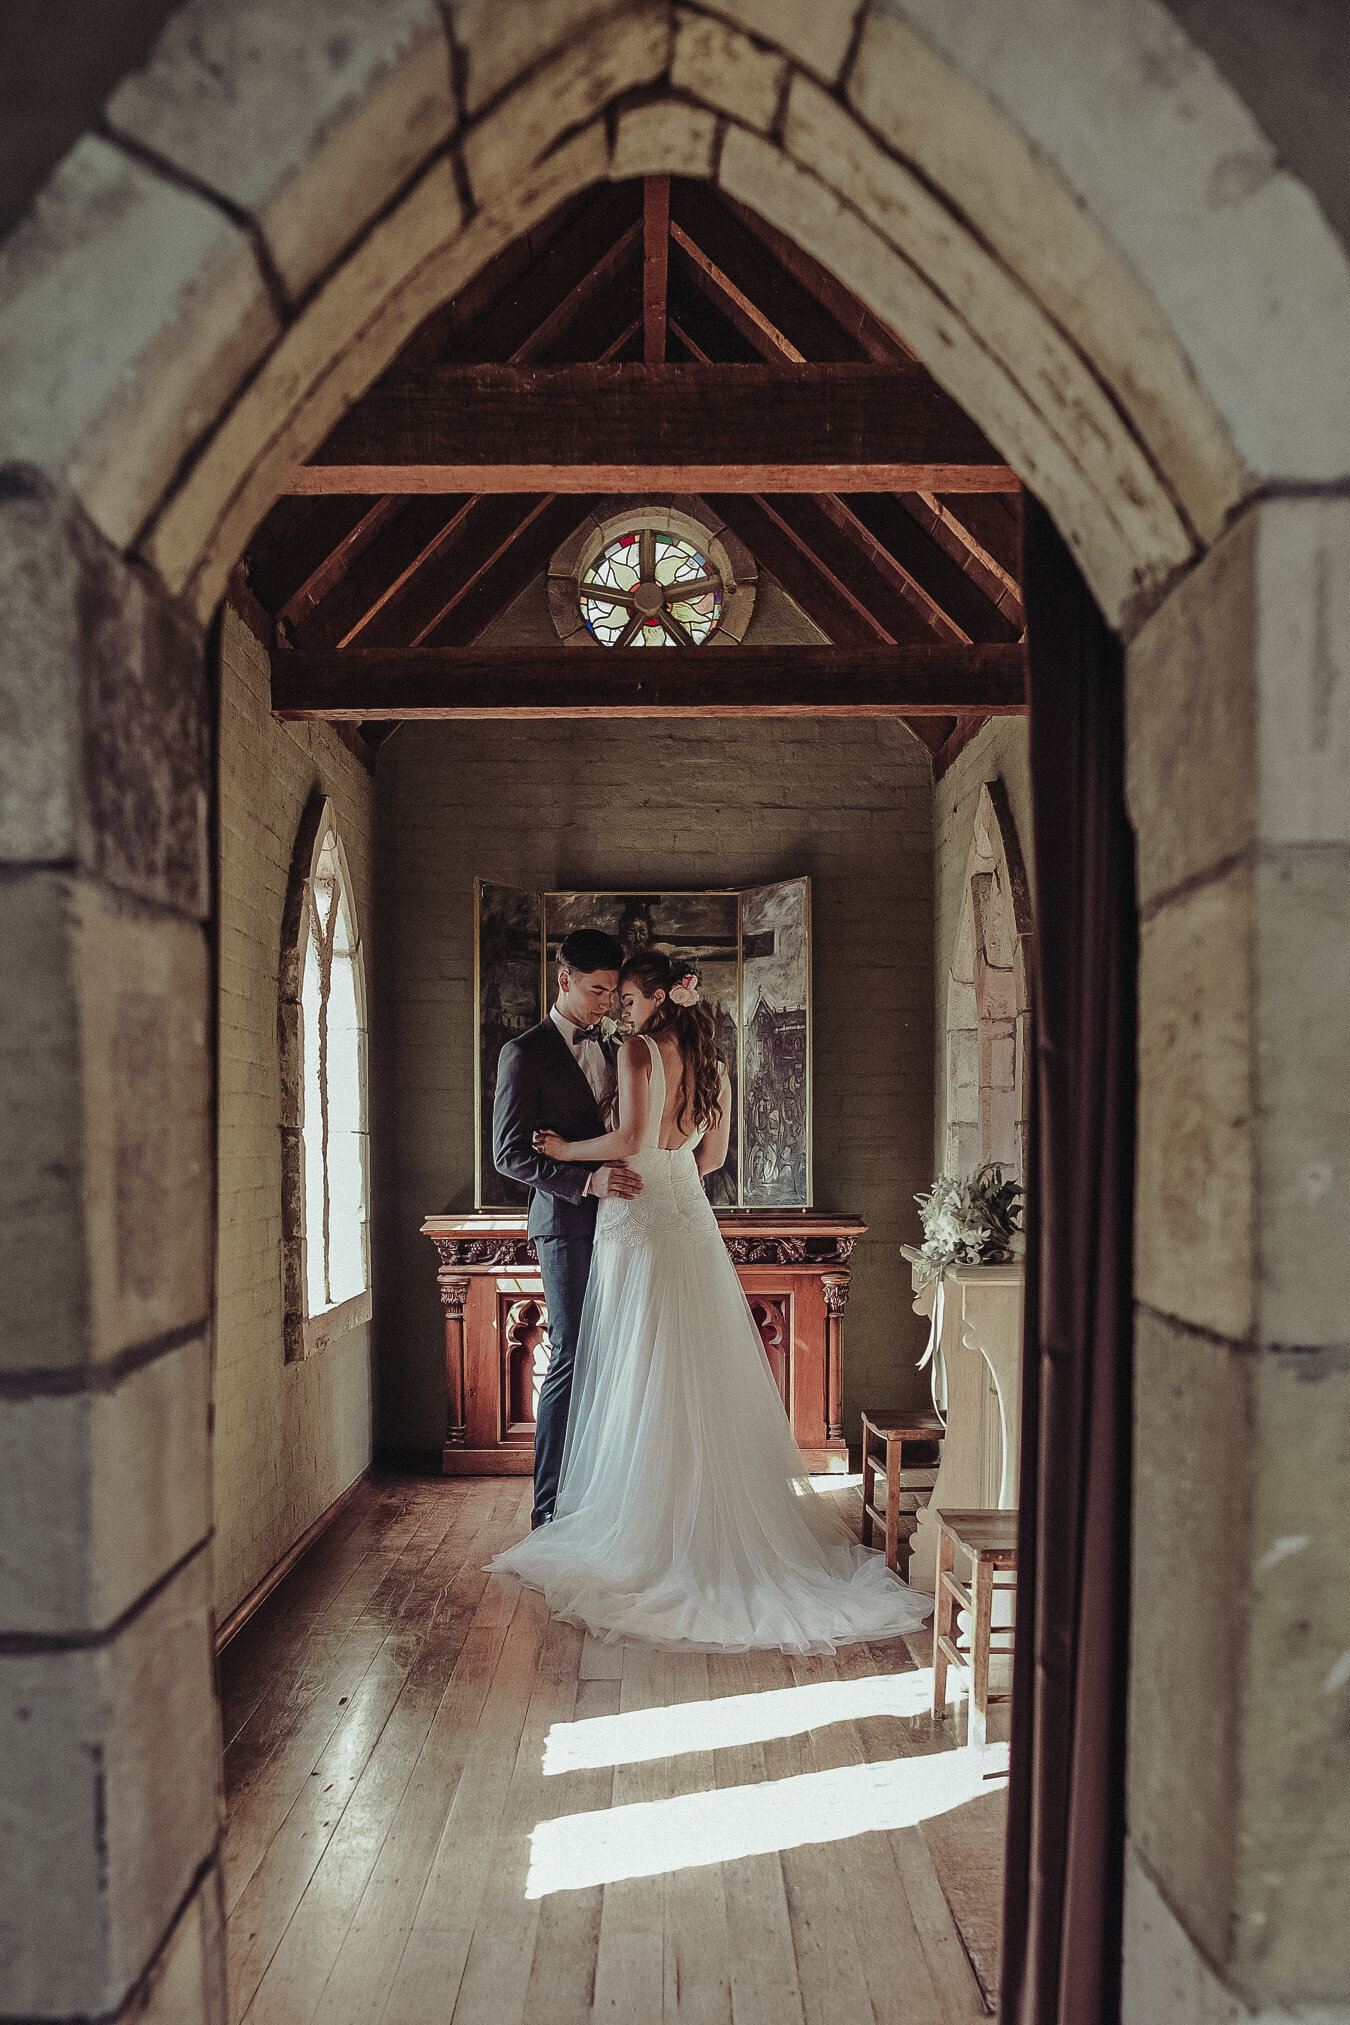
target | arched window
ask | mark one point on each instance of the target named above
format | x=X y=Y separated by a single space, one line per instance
x=325 y=1125
x=989 y=999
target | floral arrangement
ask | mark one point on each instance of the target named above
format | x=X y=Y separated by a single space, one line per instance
x=685 y=990
x=971 y=1220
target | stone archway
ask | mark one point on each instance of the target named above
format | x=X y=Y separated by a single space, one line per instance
x=989 y=998
x=1079 y=228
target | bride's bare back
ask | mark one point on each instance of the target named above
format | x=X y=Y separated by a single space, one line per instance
x=672 y=1135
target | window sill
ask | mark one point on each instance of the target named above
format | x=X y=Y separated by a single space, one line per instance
x=318 y=1331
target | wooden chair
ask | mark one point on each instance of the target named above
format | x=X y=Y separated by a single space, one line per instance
x=989 y=1539
x=903 y=1448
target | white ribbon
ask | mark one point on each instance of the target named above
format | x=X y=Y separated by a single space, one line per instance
x=933 y=1354
x=934 y=1326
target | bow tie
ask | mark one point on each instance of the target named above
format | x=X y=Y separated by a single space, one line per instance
x=580 y=1034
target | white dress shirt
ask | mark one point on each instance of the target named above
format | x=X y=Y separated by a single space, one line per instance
x=593 y=1062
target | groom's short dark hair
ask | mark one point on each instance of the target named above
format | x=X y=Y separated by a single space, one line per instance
x=588 y=949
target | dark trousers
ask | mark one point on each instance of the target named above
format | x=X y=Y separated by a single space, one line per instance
x=564 y=1267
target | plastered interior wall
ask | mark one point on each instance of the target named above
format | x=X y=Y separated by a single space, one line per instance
x=678 y=804
x=998 y=752
x=289 y=1438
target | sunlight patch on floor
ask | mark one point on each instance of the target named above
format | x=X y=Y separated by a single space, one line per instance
x=658 y=1836
x=642 y=1734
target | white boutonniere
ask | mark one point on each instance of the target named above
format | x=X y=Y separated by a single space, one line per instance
x=614 y=1032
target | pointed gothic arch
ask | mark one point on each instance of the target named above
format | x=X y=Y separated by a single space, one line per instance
x=1082 y=231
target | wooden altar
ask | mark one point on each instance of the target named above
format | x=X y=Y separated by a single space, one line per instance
x=793 y=1265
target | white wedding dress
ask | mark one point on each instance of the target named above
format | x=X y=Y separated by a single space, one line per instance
x=684 y=1517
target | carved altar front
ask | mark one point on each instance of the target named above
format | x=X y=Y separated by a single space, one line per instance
x=794 y=1269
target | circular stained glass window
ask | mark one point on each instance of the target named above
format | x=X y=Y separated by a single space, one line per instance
x=651 y=588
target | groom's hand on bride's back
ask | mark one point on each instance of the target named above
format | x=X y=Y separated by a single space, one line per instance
x=616 y=1177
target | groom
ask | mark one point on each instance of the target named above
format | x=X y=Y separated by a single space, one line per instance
x=558 y=1075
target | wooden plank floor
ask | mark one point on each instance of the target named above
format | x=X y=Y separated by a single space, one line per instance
x=387 y=1717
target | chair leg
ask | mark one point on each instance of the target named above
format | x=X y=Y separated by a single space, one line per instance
x=869 y=1484
x=942 y=1622
x=983 y=1598
x=893 y=1506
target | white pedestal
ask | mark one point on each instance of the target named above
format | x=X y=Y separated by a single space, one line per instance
x=981 y=1352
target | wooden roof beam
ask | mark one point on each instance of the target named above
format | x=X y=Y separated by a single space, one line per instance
x=431 y=684
x=683 y=428
x=655 y=263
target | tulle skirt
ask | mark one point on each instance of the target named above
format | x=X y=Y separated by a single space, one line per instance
x=684 y=1517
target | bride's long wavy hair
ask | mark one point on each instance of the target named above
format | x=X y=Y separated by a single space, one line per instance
x=694 y=1030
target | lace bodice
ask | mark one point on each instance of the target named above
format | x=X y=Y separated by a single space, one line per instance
x=672 y=1204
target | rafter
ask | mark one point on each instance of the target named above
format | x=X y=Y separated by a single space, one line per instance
x=885 y=564
x=516 y=563
x=840 y=614
x=295 y=541
x=799 y=315
x=834 y=548
x=338 y=561
x=526 y=297
x=950 y=533
x=565 y=314
x=483 y=533
x=990 y=529
x=423 y=529
x=928 y=564
x=753 y=325
x=932 y=681
x=969 y=724
x=875 y=339
x=717 y=340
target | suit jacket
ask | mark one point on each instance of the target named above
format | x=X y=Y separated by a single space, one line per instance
x=541 y=1083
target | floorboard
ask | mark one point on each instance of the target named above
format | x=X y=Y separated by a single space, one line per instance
x=389 y=1714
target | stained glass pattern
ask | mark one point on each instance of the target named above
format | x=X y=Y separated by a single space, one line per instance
x=651 y=588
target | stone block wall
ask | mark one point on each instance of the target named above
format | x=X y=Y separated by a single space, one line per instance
x=678 y=804
x=1238 y=776
x=289 y=1437
x=109 y=1727
x=998 y=752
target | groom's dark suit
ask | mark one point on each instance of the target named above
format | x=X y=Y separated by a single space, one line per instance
x=540 y=1083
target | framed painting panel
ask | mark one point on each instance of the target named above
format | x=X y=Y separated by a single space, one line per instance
x=509 y=993
x=775 y=1109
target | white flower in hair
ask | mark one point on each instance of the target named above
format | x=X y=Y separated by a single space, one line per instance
x=686 y=991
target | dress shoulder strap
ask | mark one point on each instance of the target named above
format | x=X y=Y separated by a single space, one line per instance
x=656 y=1100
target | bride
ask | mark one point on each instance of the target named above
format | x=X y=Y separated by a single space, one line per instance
x=684 y=1517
